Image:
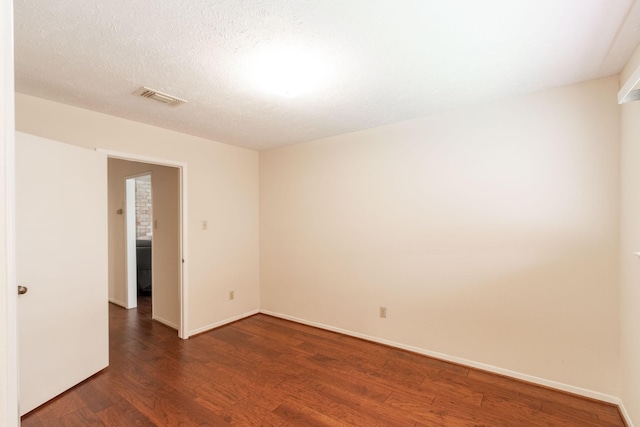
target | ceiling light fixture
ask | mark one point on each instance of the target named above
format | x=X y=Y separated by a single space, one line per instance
x=288 y=72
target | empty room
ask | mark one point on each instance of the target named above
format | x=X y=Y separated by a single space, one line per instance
x=393 y=213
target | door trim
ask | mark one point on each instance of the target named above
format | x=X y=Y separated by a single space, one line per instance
x=183 y=327
x=130 y=247
x=9 y=408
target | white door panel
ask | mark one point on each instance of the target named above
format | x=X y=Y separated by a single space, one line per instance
x=61 y=254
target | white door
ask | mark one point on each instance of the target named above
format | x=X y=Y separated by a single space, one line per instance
x=61 y=255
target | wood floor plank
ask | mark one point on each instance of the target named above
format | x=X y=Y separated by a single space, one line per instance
x=301 y=415
x=58 y=408
x=81 y=417
x=122 y=413
x=263 y=370
x=247 y=413
x=94 y=395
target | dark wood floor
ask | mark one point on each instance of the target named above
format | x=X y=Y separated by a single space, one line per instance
x=264 y=371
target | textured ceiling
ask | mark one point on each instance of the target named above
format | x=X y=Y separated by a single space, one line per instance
x=378 y=61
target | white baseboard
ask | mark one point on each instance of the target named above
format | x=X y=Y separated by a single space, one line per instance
x=625 y=414
x=165 y=322
x=117 y=302
x=483 y=366
x=222 y=322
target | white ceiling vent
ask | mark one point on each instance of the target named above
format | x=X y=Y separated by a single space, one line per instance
x=145 y=92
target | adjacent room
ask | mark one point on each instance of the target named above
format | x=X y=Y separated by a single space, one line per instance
x=364 y=212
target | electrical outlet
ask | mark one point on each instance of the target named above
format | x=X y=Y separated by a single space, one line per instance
x=383 y=312
x=232 y=295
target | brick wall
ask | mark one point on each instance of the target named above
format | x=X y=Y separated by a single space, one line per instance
x=143 y=208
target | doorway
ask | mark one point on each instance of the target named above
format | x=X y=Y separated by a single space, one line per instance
x=163 y=239
x=139 y=238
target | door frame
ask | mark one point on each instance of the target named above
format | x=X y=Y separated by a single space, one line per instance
x=130 y=247
x=9 y=411
x=183 y=327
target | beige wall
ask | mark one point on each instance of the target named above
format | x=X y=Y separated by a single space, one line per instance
x=222 y=188
x=166 y=237
x=489 y=233
x=630 y=263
